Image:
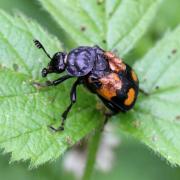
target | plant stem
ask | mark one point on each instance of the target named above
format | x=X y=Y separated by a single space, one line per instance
x=92 y=152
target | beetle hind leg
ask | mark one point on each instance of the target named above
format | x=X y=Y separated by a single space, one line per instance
x=109 y=112
x=109 y=115
x=143 y=92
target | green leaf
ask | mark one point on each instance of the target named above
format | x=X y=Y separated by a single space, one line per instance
x=26 y=112
x=118 y=23
x=156 y=117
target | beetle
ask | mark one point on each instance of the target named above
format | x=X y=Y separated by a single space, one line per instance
x=100 y=71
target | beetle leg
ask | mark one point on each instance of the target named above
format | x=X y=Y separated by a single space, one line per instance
x=143 y=92
x=40 y=46
x=73 y=100
x=109 y=115
x=112 y=110
x=52 y=83
x=109 y=105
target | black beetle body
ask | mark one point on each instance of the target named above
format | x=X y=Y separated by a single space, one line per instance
x=104 y=74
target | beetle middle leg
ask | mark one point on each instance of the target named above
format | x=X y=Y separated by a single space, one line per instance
x=107 y=116
x=73 y=100
x=112 y=109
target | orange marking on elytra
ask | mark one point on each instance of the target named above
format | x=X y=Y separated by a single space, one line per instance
x=115 y=63
x=130 y=98
x=109 y=54
x=110 y=84
x=134 y=76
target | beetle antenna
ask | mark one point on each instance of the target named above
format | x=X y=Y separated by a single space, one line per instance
x=40 y=46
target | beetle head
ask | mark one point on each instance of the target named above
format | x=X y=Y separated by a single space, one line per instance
x=56 y=65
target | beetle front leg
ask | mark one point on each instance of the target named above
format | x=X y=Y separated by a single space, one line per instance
x=52 y=83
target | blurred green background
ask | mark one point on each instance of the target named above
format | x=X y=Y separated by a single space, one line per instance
x=133 y=160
